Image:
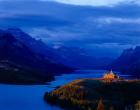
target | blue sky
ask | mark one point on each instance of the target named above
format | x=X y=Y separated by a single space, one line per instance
x=103 y=27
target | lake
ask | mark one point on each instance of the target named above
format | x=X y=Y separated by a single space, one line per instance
x=30 y=97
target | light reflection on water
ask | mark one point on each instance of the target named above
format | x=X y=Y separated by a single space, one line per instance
x=19 y=97
x=65 y=78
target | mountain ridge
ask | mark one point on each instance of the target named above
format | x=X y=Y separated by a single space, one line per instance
x=31 y=65
x=128 y=62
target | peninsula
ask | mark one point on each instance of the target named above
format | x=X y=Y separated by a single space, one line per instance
x=107 y=93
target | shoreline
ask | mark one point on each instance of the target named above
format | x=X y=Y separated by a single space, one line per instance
x=91 y=90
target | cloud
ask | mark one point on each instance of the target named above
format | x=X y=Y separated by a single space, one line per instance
x=6 y=15
x=90 y=27
x=96 y=2
x=86 y=2
x=115 y=20
x=57 y=35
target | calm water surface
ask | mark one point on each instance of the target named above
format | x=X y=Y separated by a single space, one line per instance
x=19 y=97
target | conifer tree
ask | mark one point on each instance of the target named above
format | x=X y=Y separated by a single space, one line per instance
x=100 y=105
x=111 y=108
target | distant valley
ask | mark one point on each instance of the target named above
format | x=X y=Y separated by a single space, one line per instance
x=21 y=63
x=24 y=59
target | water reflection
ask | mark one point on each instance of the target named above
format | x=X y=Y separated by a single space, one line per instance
x=17 y=97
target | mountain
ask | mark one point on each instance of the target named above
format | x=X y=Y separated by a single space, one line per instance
x=95 y=28
x=20 y=63
x=128 y=62
x=71 y=56
x=37 y=46
x=79 y=58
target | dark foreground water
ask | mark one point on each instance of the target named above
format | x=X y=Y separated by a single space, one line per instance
x=19 y=97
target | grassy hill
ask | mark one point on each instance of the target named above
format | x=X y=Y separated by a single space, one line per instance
x=91 y=94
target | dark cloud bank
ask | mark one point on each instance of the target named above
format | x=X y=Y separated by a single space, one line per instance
x=99 y=30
